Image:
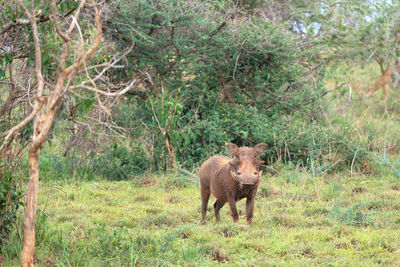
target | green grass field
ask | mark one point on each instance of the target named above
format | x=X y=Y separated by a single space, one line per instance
x=299 y=221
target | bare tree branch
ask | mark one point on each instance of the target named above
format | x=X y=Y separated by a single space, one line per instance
x=123 y=91
x=12 y=24
x=56 y=24
x=26 y=120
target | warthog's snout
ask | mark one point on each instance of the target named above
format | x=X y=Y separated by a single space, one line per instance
x=249 y=178
x=250 y=184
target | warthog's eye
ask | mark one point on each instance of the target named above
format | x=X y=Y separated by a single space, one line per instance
x=237 y=156
x=255 y=173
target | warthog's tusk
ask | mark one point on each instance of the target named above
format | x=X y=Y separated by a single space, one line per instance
x=234 y=175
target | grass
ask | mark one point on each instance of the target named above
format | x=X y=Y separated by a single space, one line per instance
x=329 y=220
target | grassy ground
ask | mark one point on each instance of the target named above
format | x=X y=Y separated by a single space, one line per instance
x=299 y=221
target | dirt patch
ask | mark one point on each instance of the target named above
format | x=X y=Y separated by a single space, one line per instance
x=49 y=262
x=396 y=187
x=308 y=251
x=342 y=245
x=388 y=248
x=392 y=149
x=184 y=235
x=228 y=233
x=358 y=190
x=219 y=256
x=374 y=206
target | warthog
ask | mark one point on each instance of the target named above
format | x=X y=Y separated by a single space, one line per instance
x=230 y=180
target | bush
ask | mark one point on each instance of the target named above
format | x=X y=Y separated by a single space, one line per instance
x=360 y=214
x=214 y=81
x=119 y=163
x=10 y=201
x=55 y=167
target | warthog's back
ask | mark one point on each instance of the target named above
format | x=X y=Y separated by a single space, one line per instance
x=212 y=175
x=211 y=166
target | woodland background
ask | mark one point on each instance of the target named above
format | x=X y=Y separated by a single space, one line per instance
x=168 y=86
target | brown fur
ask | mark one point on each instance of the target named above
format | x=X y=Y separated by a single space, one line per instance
x=230 y=180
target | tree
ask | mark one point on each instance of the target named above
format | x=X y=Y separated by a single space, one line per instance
x=215 y=72
x=62 y=52
x=352 y=31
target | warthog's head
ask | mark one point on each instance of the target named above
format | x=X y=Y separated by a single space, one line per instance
x=245 y=165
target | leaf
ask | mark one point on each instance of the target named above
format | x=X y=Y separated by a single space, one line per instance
x=8 y=58
x=2 y=73
x=4 y=15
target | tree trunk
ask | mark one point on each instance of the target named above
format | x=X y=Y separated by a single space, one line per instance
x=28 y=249
x=41 y=130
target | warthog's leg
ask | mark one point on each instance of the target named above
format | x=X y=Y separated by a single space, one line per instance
x=232 y=205
x=249 y=209
x=205 y=195
x=217 y=206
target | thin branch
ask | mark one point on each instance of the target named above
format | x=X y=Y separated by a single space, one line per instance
x=64 y=54
x=26 y=120
x=56 y=24
x=234 y=69
x=76 y=66
x=107 y=67
x=22 y=22
x=76 y=16
x=11 y=24
x=198 y=106
x=155 y=116
x=36 y=41
x=123 y=91
x=12 y=94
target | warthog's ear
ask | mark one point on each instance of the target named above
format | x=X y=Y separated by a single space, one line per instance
x=234 y=149
x=260 y=148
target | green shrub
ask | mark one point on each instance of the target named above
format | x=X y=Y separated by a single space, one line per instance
x=10 y=201
x=55 y=167
x=120 y=163
x=360 y=214
x=214 y=82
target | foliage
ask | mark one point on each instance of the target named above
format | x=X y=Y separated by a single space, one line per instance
x=10 y=201
x=360 y=214
x=352 y=31
x=118 y=163
x=386 y=162
x=235 y=83
x=54 y=166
